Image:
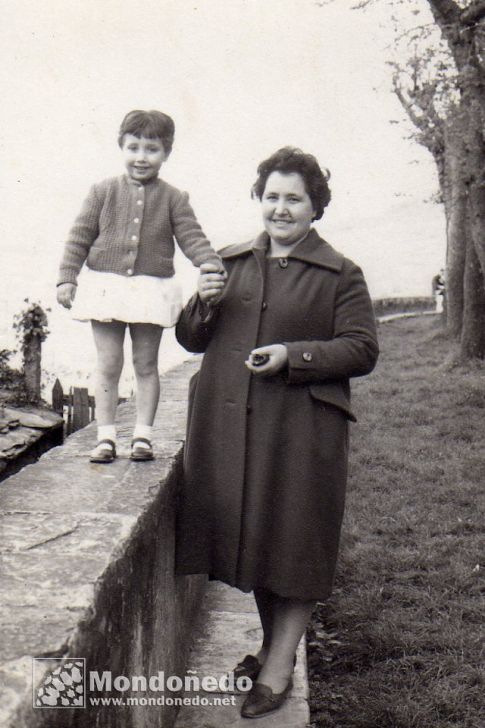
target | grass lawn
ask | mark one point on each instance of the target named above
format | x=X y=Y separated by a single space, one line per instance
x=400 y=643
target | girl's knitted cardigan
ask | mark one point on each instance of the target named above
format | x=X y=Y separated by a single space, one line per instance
x=128 y=228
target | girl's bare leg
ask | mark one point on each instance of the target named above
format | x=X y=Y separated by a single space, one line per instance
x=108 y=338
x=145 y=344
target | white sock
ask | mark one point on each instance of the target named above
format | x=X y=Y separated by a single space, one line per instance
x=107 y=432
x=143 y=431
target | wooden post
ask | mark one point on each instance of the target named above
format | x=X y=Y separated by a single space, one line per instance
x=32 y=357
x=69 y=412
x=80 y=401
x=92 y=404
x=80 y=406
x=58 y=397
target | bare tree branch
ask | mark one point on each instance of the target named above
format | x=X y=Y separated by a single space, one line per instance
x=445 y=11
x=427 y=121
x=473 y=13
x=460 y=27
x=360 y=5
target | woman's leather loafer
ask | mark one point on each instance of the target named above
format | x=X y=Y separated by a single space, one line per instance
x=262 y=700
x=250 y=667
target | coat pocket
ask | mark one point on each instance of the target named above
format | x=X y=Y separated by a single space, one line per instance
x=332 y=393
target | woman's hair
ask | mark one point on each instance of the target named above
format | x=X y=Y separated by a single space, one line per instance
x=150 y=124
x=291 y=159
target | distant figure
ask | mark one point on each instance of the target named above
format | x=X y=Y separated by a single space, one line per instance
x=438 y=287
x=125 y=233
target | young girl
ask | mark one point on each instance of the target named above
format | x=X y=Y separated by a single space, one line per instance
x=125 y=234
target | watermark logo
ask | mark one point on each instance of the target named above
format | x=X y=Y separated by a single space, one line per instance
x=64 y=682
x=59 y=682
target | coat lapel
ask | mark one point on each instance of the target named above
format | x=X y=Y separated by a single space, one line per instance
x=313 y=249
x=259 y=249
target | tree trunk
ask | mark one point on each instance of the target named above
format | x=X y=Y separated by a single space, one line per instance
x=455 y=198
x=463 y=28
x=473 y=331
x=475 y=146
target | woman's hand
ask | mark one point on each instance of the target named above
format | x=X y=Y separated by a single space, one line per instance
x=211 y=282
x=272 y=358
x=66 y=293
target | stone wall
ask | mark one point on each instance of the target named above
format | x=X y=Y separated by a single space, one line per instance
x=87 y=554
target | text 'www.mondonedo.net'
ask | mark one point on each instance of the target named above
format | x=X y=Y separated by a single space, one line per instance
x=165 y=700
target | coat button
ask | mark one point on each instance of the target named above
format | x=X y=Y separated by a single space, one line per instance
x=264 y=306
x=306 y=356
x=283 y=262
x=129 y=272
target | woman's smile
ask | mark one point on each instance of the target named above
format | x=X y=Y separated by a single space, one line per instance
x=282 y=222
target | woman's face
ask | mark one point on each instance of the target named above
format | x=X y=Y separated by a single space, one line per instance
x=287 y=208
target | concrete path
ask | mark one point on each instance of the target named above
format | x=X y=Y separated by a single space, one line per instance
x=409 y=314
x=228 y=629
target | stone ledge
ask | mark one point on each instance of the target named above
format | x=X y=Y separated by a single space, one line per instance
x=87 y=554
x=25 y=434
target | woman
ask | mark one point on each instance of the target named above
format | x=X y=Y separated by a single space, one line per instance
x=267 y=440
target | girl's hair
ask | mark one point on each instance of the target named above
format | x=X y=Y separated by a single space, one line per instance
x=291 y=159
x=150 y=124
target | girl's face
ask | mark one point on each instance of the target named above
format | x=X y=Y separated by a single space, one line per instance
x=142 y=157
x=286 y=207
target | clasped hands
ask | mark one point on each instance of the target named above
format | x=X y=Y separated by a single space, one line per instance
x=211 y=282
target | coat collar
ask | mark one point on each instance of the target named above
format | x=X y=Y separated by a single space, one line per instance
x=313 y=249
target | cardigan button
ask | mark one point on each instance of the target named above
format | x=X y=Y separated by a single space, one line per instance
x=264 y=306
x=129 y=272
x=283 y=262
x=307 y=356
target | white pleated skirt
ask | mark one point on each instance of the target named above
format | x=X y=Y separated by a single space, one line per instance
x=133 y=299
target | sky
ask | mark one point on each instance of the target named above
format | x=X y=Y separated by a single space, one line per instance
x=241 y=78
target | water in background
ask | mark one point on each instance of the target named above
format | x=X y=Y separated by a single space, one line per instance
x=399 y=252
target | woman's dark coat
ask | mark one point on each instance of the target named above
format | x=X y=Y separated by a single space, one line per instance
x=266 y=457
